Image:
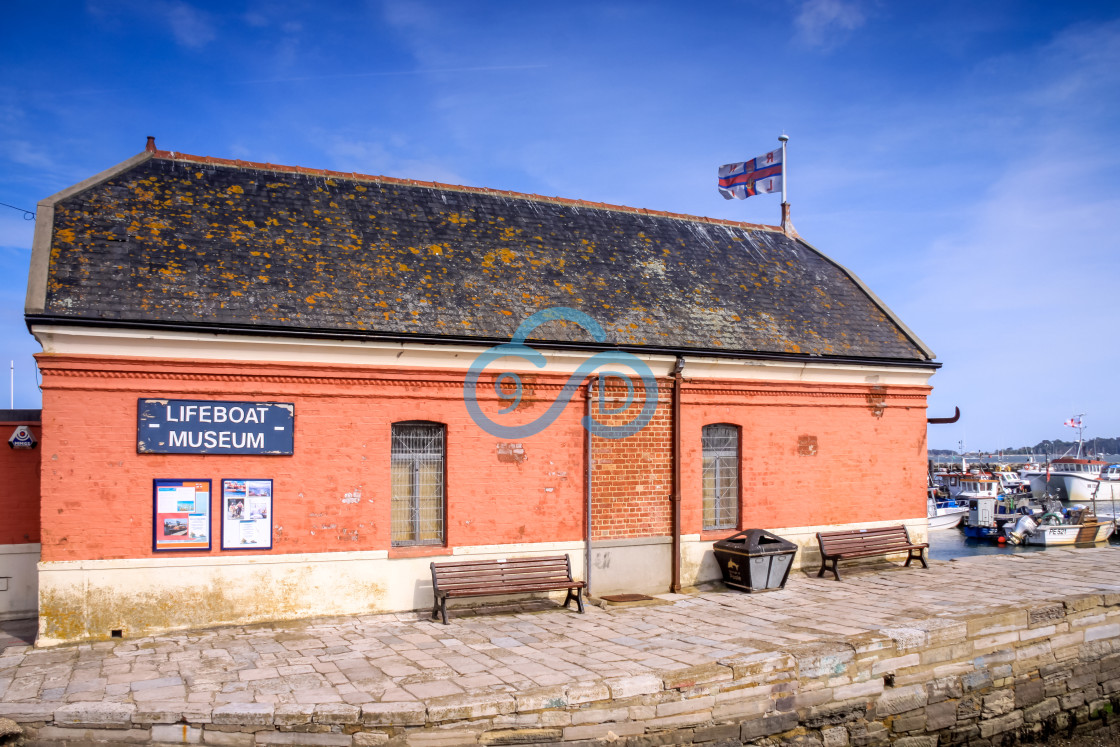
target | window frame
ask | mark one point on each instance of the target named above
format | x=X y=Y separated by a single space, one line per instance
x=736 y=458
x=416 y=522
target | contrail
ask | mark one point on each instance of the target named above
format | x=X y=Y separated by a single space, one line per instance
x=492 y=68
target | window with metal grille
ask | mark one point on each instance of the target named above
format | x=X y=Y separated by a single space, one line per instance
x=417 y=484
x=721 y=476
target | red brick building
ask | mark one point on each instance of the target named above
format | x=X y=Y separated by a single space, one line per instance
x=19 y=509
x=779 y=392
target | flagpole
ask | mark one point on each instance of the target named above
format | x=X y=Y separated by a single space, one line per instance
x=785 y=167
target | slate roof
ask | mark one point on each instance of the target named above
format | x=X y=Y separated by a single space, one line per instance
x=178 y=241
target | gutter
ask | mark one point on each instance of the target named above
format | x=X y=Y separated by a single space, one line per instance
x=675 y=497
x=590 y=472
x=330 y=334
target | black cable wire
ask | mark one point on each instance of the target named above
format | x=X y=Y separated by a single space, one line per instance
x=27 y=214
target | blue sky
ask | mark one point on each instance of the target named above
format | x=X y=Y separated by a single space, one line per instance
x=960 y=157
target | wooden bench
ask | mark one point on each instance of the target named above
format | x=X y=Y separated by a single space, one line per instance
x=864 y=543
x=481 y=578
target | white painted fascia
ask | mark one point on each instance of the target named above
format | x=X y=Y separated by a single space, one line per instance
x=60 y=339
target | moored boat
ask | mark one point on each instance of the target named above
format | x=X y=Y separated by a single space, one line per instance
x=1108 y=488
x=943 y=512
x=1060 y=526
x=1070 y=478
x=989 y=509
x=1073 y=479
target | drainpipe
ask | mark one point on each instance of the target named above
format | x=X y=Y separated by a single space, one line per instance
x=587 y=519
x=678 y=370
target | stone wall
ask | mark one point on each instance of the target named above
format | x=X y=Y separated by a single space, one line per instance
x=1006 y=676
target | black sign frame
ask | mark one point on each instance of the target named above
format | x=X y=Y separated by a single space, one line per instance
x=192 y=426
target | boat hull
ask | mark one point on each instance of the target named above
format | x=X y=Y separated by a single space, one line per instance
x=1109 y=492
x=946 y=520
x=1076 y=488
x=1071 y=534
x=982 y=532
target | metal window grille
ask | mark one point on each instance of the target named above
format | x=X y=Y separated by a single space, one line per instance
x=417 y=484
x=721 y=476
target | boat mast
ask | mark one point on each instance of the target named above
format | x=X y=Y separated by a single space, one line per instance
x=1076 y=422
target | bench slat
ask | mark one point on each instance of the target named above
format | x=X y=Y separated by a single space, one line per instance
x=863 y=543
x=475 y=578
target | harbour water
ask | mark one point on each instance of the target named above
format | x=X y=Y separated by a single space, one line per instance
x=947 y=544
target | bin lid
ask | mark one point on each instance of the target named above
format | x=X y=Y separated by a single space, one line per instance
x=757 y=542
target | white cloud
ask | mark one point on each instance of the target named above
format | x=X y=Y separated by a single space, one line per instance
x=190 y=26
x=1016 y=294
x=825 y=23
x=26 y=154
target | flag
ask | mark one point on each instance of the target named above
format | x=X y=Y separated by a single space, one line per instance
x=1074 y=422
x=754 y=177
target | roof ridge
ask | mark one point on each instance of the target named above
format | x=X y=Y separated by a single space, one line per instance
x=354 y=176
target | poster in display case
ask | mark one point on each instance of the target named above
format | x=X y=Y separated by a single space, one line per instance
x=246 y=514
x=180 y=515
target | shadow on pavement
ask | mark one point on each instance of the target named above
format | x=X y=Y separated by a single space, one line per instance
x=18 y=632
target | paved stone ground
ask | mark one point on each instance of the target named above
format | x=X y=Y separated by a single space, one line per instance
x=407 y=657
x=19 y=632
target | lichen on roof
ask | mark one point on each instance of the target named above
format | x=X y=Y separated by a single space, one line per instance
x=177 y=240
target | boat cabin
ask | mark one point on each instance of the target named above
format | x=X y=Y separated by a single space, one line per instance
x=1077 y=466
x=979 y=487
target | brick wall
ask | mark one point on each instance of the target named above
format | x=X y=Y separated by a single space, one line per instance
x=811 y=454
x=19 y=487
x=97 y=491
x=632 y=477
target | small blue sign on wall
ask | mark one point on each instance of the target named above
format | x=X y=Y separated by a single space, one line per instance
x=191 y=426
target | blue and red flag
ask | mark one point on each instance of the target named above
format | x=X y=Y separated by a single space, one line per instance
x=754 y=177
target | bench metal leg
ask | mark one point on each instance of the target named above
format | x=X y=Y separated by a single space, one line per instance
x=824 y=567
x=920 y=556
x=576 y=594
x=443 y=609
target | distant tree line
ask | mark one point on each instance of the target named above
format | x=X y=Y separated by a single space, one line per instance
x=1092 y=445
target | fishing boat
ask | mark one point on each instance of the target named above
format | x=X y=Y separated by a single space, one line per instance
x=989 y=508
x=1011 y=482
x=1060 y=526
x=1073 y=479
x=950 y=483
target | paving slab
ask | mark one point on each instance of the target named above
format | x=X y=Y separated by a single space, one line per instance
x=379 y=669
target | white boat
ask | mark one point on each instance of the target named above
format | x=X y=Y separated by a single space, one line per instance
x=943 y=513
x=1073 y=526
x=953 y=483
x=1011 y=482
x=1072 y=534
x=1108 y=488
x=1072 y=479
x=978 y=486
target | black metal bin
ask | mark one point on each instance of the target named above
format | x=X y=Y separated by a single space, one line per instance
x=755 y=560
